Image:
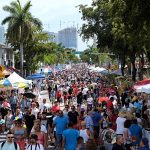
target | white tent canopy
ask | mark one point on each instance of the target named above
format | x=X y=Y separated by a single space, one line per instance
x=100 y=69
x=15 y=78
x=143 y=88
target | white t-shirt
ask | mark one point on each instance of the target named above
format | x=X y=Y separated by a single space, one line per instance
x=90 y=100
x=84 y=92
x=43 y=129
x=42 y=106
x=34 y=147
x=35 y=112
x=120 y=125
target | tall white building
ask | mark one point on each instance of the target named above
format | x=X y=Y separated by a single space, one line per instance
x=53 y=37
x=68 y=37
x=2 y=35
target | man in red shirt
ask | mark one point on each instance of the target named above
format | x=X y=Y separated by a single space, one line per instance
x=59 y=95
x=110 y=106
x=55 y=107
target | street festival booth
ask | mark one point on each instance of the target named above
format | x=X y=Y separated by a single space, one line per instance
x=19 y=82
x=144 y=87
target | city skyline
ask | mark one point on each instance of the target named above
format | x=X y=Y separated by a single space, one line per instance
x=56 y=14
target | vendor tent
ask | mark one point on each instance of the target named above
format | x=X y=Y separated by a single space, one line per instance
x=15 y=78
x=143 y=88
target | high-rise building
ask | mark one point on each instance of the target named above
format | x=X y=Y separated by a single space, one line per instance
x=68 y=37
x=53 y=37
x=2 y=35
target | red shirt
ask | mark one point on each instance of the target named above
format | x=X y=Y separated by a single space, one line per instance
x=55 y=108
x=109 y=105
x=76 y=91
x=58 y=94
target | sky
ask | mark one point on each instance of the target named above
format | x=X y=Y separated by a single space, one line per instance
x=55 y=14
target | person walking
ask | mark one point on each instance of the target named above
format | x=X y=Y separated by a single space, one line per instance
x=136 y=133
x=61 y=124
x=20 y=133
x=119 y=143
x=70 y=136
x=33 y=143
x=9 y=144
x=143 y=145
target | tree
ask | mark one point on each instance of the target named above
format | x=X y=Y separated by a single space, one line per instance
x=121 y=26
x=20 y=23
x=131 y=22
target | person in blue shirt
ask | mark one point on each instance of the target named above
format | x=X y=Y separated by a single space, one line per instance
x=136 y=132
x=96 y=119
x=70 y=136
x=143 y=144
x=60 y=122
x=137 y=105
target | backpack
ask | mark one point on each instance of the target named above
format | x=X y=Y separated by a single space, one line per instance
x=37 y=144
x=15 y=144
x=107 y=136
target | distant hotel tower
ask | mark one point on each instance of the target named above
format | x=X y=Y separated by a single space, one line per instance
x=68 y=37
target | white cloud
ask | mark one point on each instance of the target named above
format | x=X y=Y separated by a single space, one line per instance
x=52 y=12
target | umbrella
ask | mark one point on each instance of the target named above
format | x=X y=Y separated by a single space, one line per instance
x=103 y=99
x=5 y=83
x=29 y=95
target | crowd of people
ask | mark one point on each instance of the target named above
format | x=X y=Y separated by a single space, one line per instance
x=74 y=117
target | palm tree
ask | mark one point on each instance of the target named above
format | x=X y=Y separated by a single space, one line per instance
x=20 y=23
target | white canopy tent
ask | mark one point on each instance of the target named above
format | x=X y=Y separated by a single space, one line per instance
x=97 y=69
x=15 y=78
x=143 y=88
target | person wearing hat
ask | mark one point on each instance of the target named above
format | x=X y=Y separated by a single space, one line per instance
x=143 y=144
x=33 y=143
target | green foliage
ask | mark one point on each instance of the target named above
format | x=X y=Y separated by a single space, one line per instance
x=20 y=22
x=121 y=26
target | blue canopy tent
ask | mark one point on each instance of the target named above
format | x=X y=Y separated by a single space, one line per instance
x=36 y=76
